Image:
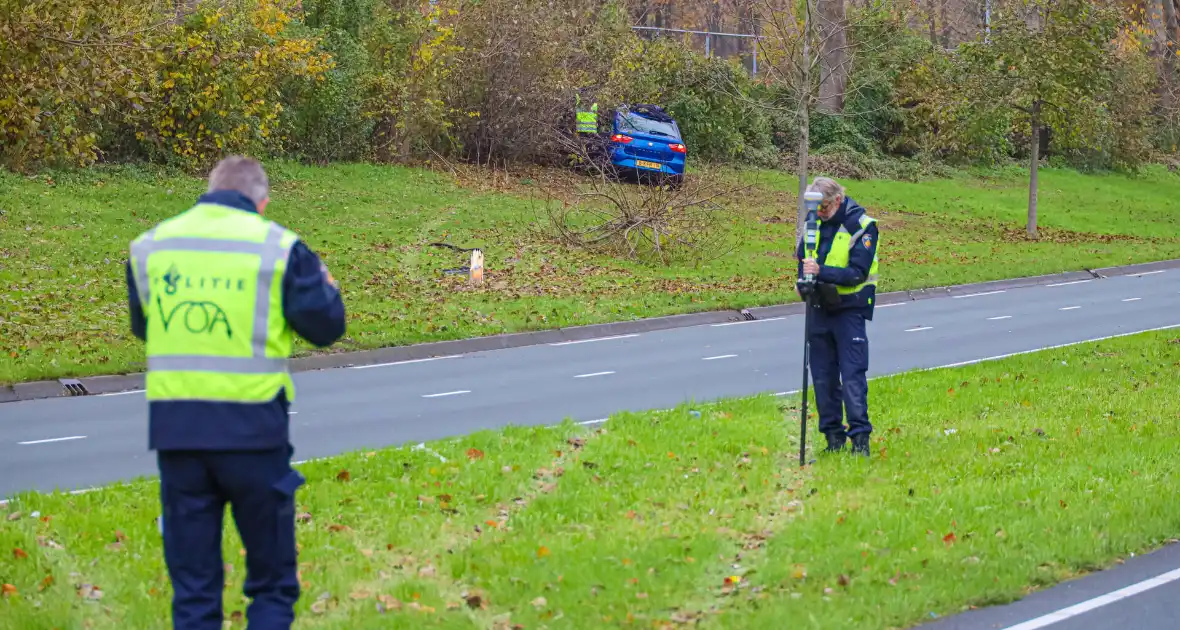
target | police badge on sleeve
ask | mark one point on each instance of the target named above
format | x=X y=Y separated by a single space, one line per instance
x=867 y=241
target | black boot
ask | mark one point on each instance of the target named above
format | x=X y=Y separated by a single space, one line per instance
x=860 y=444
x=836 y=442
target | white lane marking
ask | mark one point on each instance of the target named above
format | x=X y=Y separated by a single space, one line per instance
x=1065 y=284
x=888 y=305
x=292 y=413
x=753 y=321
x=1097 y=602
x=378 y=365
x=587 y=423
x=1000 y=317
x=919 y=328
x=455 y=393
x=793 y=391
x=593 y=374
x=134 y=391
x=570 y=343
x=722 y=356
x=1148 y=273
x=1068 y=308
x=61 y=439
x=969 y=295
x=1055 y=347
x=1132 y=299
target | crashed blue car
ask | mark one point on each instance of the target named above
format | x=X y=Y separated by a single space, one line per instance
x=646 y=141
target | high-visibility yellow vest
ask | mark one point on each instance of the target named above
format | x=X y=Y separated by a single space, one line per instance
x=587 y=119
x=210 y=283
x=837 y=256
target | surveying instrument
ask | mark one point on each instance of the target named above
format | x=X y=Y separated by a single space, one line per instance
x=806 y=288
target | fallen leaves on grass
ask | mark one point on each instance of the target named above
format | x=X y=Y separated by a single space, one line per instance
x=344 y=475
x=46 y=583
x=19 y=553
x=542 y=551
x=90 y=592
x=474 y=454
x=8 y=590
x=949 y=539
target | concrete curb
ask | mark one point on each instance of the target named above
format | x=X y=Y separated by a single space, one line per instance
x=98 y=385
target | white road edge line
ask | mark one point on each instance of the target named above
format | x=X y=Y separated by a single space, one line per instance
x=1065 y=284
x=1097 y=602
x=1000 y=317
x=888 y=305
x=754 y=321
x=378 y=365
x=134 y=391
x=455 y=393
x=1147 y=273
x=570 y=343
x=1132 y=299
x=587 y=423
x=1069 y=308
x=722 y=356
x=969 y=295
x=1060 y=345
x=61 y=439
x=919 y=328
x=593 y=374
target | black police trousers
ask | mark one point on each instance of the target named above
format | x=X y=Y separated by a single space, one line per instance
x=839 y=356
x=260 y=488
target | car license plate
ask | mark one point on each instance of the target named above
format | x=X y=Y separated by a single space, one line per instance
x=646 y=164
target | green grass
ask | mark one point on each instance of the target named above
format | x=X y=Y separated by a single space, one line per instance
x=64 y=237
x=985 y=482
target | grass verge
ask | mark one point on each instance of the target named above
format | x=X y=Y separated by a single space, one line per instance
x=985 y=482
x=64 y=237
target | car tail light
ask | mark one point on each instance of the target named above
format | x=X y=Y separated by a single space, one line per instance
x=621 y=139
x=678 y=148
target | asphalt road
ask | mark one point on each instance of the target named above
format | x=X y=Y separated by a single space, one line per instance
x=81 y=442
x=74 y=443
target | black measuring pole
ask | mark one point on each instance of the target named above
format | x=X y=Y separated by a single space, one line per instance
x=806 y=369
x=806 y=287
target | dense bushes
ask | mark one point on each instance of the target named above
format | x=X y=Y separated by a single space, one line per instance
x=488 y=81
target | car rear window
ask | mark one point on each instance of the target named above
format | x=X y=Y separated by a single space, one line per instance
x=635 y=122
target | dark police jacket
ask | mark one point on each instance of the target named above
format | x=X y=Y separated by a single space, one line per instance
x=860 y=259
x=315 y=311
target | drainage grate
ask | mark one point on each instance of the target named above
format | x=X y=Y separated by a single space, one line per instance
x=73 y=387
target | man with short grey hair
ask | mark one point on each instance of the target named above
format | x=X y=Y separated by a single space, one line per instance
x=846 y=269
x=217 y=293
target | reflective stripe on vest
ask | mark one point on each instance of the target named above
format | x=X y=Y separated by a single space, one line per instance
x=842 y=244
x=587 y=119
x=192 y=352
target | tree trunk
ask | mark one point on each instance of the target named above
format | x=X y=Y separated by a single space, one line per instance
x=833 y=77
x=803 y=112
x=1035 y=150
x=1169 y=54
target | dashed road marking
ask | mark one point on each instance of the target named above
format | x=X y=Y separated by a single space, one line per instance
x=392 y=363
x=586 y=423
x=893 y=304
x=134 y=391
x=754 y=321
x=1069 y=308
x=970 y=295
x=593 y=374
x=722 y=356
x=1132 y=299
x=1000 y=317
x=455 y=393
x=570 y=343
x=60 y=439
x=1065 y=284
x=919 y=328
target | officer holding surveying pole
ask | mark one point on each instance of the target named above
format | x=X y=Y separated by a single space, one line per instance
x=218 y=294
x=837 y=278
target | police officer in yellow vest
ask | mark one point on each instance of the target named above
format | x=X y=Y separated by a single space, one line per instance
x=586 y=116
x=846 y=268
x=218 y=294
